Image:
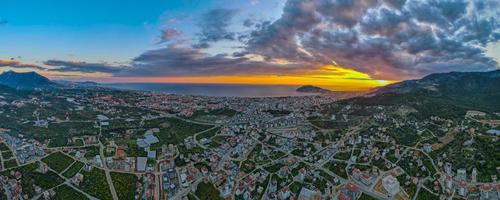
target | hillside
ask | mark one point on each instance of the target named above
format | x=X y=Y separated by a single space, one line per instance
x=451 y=93
x=26 y=81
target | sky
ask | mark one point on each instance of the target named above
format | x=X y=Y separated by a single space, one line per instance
x=338 y=44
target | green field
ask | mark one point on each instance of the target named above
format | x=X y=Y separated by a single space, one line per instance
x=7 y=155
x=337 y=168
x=58 y=161
x=9 y=163
x=206 y=191
x=95 y=184
x=64 y=192
x=124 y=184
x=75 y=168
x=173 y=130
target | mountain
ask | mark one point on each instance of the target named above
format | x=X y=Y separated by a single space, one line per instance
x=26 y=81
x=312 y=89
x=446 y=94
x=447 y=83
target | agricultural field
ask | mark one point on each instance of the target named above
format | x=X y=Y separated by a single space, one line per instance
x=64 y=192
x=58 y=161
x=73 y=169
x=124 y=184
x=95 y=184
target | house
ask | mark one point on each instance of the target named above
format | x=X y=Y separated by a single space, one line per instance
x=462 y=188
x=120 y=152
x=307 y=194
x=391 y=184
x=427 y=147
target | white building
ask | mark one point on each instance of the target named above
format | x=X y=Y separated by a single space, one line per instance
x=391 y=184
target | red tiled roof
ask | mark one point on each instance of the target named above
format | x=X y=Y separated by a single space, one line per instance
x=352 y=187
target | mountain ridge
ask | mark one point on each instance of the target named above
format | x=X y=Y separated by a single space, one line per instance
x=440 y=94
x=26 y=81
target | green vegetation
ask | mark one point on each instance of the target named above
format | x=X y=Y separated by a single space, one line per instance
x=366 y=197
x=206 y=191
x=247 y=166
x=326 y=176
x=75 y=168
x=64 y=192
x=343 y=155
x=338 y=168
x=295 y=170
x=208 y=134
x=295 y=187
x=7 y=155
x=58 y=161
x=30 y=177
x=124 y=184
x=95 y=184
x=274 y=168
x=3 y=147
x=426 y=195
x=9 y=163
x=407 y=185
x=483 y=154
x=191 y=196
x=91 y=152
x=173 y=130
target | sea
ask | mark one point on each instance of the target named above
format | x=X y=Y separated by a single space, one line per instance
x=227 y=90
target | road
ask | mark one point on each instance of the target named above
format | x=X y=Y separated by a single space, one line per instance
x=106 y=169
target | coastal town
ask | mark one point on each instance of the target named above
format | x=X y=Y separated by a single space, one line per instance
x=112 y=144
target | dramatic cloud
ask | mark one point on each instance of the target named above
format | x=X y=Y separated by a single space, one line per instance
x=184 y=61
x=214 y=27
x=83 y=67
x=385 y=39
x=389 y=39
x=16 y=64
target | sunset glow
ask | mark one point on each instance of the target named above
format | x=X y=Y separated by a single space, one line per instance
x=332 y=77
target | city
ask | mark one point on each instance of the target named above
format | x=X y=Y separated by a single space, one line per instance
x=250 y=100
x=103 y=143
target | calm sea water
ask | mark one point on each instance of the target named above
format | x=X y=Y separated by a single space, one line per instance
x=229 y=90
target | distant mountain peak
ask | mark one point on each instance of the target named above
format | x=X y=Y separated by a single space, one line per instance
x=26 y=81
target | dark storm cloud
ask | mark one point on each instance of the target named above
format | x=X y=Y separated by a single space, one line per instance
x=83 y=67
x=16 y=64
x=214 y=26
x=388 y=39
